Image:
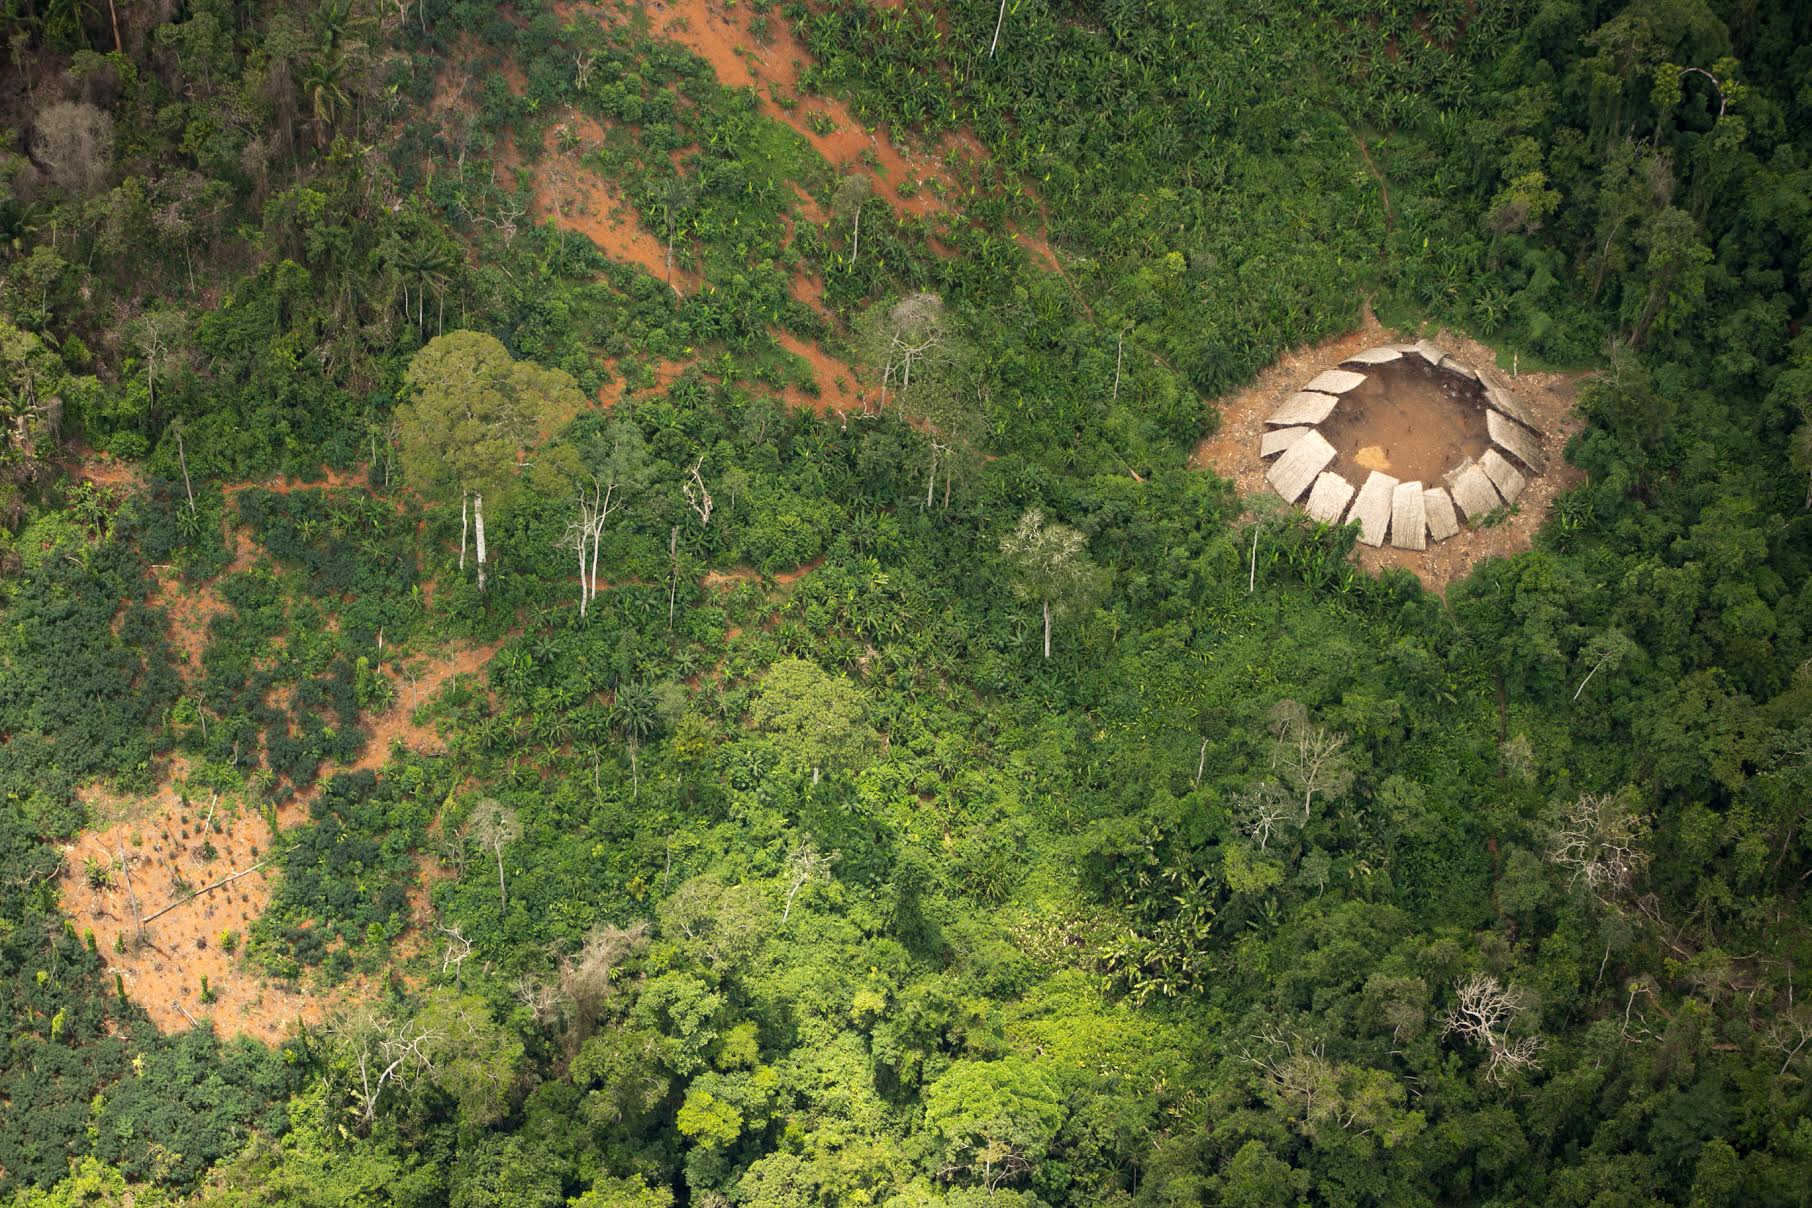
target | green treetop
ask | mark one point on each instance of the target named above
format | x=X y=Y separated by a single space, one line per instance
x=470 y=411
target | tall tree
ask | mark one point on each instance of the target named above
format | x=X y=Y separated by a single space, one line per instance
x=816 y=714
x=602 y=463
x=470 y=414
x=1677 y=266
x=846 y=203
x=1049 y=563
x=494 y=826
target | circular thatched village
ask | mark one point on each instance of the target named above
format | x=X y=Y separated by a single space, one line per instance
x=1405 y=441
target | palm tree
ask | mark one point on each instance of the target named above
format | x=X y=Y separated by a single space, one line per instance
x=326 y=91
x=635 y=719
x=19 y=220
x=428 y=268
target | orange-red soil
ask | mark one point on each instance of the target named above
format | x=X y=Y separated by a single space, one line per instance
x=164 y=974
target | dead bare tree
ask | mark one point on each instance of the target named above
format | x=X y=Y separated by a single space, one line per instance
x=458 y=950
x=852 y=191
x=1292 y=1066
x=1311 y=758
x=587 y=976
x=74 y=141
x=183 y=901
x=1789 y=1033
x=804 y=865
x=159 y=337
x=1260 y=811
x=182 y=456
x=1482 y=1014
x=905 y=338
x=138 y=914
x=494 y=826
x=542 y=997
x=585 y=532
x=1316 y=1089
x=697 y=495
x=381 y=1051
x=1600 y=839
x=918 y=330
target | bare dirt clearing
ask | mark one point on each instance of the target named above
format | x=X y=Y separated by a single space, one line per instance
x=911 y=182
x=182 y=837
x=145 y=852
x=1233 y=451
x=1409 y=420
x=578 y=199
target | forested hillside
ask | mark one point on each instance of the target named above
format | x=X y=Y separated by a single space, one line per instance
x=616 y=605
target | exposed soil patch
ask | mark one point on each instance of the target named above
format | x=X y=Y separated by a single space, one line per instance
x=1550 y=397
x=183 y=836
x=839 y=389
x=805 y=287
x=748 y=574
x=809 y=209
x=809 y=289
x=665 y=374
x=913 y=182
x=104 y=470
x=581 y=201
x=771 y=68
x=161 y=841
x=1409 y=420
x=161 y=837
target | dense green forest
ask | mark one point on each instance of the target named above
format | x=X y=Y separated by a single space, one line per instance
x=723 y=797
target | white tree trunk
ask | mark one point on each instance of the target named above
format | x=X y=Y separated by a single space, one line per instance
x=1119 y=360
x=591 y=578
x=999 y=21
x=1047 y=629
x=464 y=506
x=856 y=247
x=584 y=582
x=478 y=533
